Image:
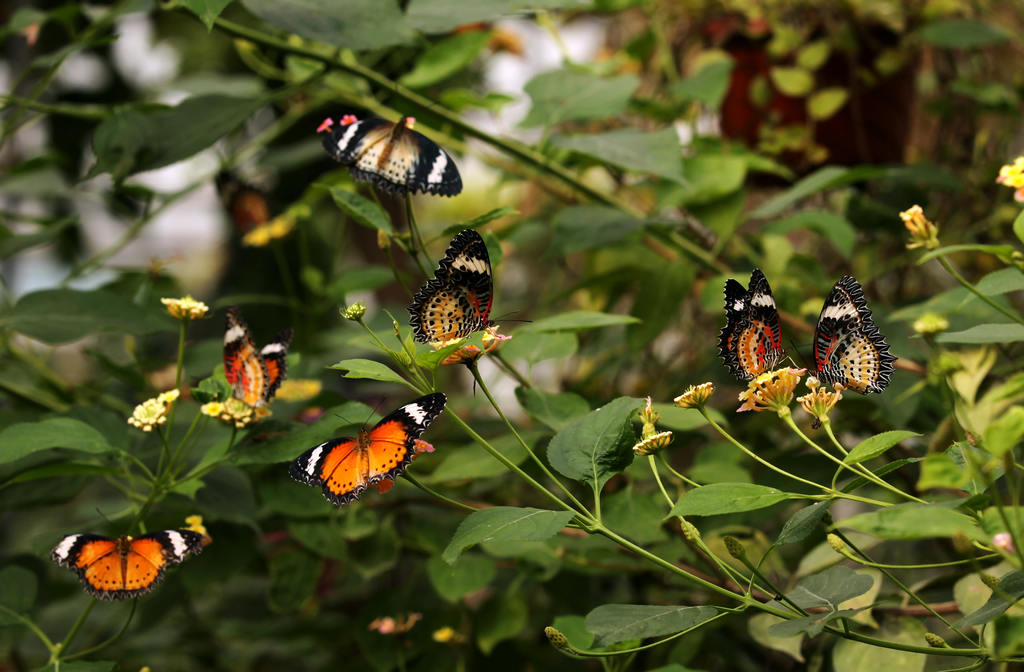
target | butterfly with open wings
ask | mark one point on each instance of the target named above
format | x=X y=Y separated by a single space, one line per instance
x=343 y=468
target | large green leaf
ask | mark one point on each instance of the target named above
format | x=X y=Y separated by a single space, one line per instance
x=597 y=446
x=874 y=446
x=507 y=523
x=503 y=617
x=655 y=152
x=710 y=177
x=577 y=320
x=362 y=211
x=11 y=244
x=586 y=227
x=137 y=139
x=367 y=369
x=563 y=95
x=469 y=573
x=833 y=227
x=554 y=410
x=353 y=24
x=1003 y=281
x=827 y=177
x=62 y=315
x=206 y=10
x=914 y=521
x=440 y=16
x=803 y=523
x=1009 y=590
x=961 y=34
x=446 y=58
x=293 y=575
x=612 y=623
x=718 y=498
x=708 y=85
x=830 y=588
x=26 y=438
x=19 y=592
x=287 y=446
x=1008 y=332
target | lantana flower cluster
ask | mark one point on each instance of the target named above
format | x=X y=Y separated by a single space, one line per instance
x=153 y=412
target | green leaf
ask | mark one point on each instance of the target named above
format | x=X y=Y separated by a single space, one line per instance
x=469 y=463
x=826 y=102
x=323 y=537
x=711 y=177
x=718 y=498
x=444 y=59
x=206 y=10
x=682 y=419
x=1004 y=252
x=480 y=220
x=505 y=523
x=575 y=630
x=1018 y=226
x=367 y=369
x=612 y=623
x=810 y=625
x=658 y=306
x=362 y=211
x=813 y=54
x=214 y=388
x=985 y=333
x=502 y=617
x=26 y=438
x=1003 y=281
x=63 y=315
x=708 y=85
x=656 y=152
x=578 y=320
x=469 y=573
x=826 y=177
x=137 y=139
x=441 y=16
x=835 y=228
x=353 y=24
x=939 y=470
x=554 y=410
x=597 y=446
x=914 y=521
x=803 y=523
x=1005 y=432
x=851 y=656
x=1009 y=590
x=538 y=346
x=19 y=592
x=960 y=34
x=80 y=666
x=293 y=576
x=12 y=244
x=586 y=227
x=759 y=626
x=874 y=446
x=563 y=95
x=830 y=587
x=641 y=513
x=792 y=81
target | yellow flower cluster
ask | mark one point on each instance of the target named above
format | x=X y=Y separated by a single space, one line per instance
x=153 y=412
x=470 y=353
x=277 y=228
x=299 y=389
x=448 y=635
x=185 y=308
x=819 y=401
x=651 y=440
x=771 y=391
x=195 y=524
x=1012 y=175
x=234 y=412
x=695 y=396
x=923 y=232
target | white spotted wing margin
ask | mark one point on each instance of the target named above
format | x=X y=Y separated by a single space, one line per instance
x=318 y=465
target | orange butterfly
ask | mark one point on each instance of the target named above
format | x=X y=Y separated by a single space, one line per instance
x=126 y=567
x=254 y=375
x=344 y=467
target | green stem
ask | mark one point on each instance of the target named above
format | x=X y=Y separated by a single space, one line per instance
x=475 y=370
x=92 y=112
x=657 y=477
x=926 y=565
x=416 y=238
x=511 y=466
x=434 y=493
x=28 y=623
x=599 y=654
x=681 y=477
x=974 y=290
x=164 y=451
x=108 y=642
x=75 y=628
x=184 y=442
x=504 y=364
x=286 y=276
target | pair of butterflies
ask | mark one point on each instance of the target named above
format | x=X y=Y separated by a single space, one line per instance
x=453 y=304
x=848 y=347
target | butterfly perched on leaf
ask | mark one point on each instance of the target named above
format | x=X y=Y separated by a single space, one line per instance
x=751 y=340
x=393 y=156
x=254 y=374
x=848 y=348
x=344 y=467
x=125 y=567
x=457 y=301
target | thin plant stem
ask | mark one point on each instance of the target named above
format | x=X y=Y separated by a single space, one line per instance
x=507 y=367
x=434 y=493
x=395 y=272
x=104 y=644
x=599 y=654
x=475 y=370
x=657 y=478
x=184 y=441
x=286 y=277
x=30 y=624
x=974 y=290
x=179 y=368
x=75 y=628
x=924 y=565
x=416 y=238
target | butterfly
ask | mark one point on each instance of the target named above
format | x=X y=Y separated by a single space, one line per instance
x=457 y=301
x=751 y=340
x=254 y=375
x=246 y=203
x=393 y=156
x=344 y=467
x=126 y=567
x=848 y=348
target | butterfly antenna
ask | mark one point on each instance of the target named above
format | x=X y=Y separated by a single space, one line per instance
x=803 y=362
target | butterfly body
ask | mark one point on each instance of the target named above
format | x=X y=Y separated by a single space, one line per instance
x=750 y=343
x=344 y=467
x=394 y=157
x=125 y=567
x=457 y=301
x=848 y=347
x=253 y=374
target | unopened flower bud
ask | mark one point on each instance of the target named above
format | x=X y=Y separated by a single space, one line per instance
x=935 y=641
x=837 y=544
x=557 y=639
x=735 y=547
x=354 y=312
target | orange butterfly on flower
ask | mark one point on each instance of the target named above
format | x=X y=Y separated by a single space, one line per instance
x=254 y=374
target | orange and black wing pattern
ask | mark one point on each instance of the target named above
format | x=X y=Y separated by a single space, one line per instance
x=254 y=375
x=126 y=567
x=848 y=347
x=344 y=467
x=751 y=340
x=394 y=157
x=457 y=301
